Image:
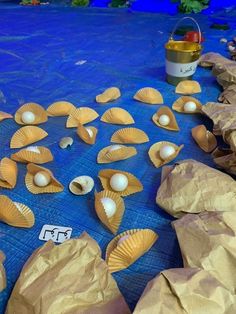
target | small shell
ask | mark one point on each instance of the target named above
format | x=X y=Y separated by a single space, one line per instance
x=178 y=105
x=26 y=136
x=81 y=185
x=204 y=138
x=149 y=95
x=117 y=116
x=5 y=115
x=129 y=136
x=155 y=156
x=81 y=115
x=114 y=222
x=66 y=142
x=53 y=187
x=138 y=242
x=109 y=94
x=40 y=113
x=164 y=110
x=84 y=134
x=35 y=154
x=134 y=185
x=8 y=173
x=60 y=108
x=106 y=155
x=188 y=87
x=3 y=280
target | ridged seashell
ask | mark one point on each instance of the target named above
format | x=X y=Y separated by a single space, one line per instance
x=122 y=255
x=129 y=136
x=8 y=173
x=3 y=279
x=204 y=138
x=39 y=112
x=107 y=155
x=178 y=105
x=154 y=153
x=84 y=134
x=5 y=115
x=188 y=87
x=34 y=154
x=112 y=223
x=26 y=136
x=66 y=142
x=117 y=116
x=81 y=115
x=54 y=186
x=60 y=108
x=109 y=94
x=164 y=110
x=149 y=95
x=134 y=185
x=15 y=214
x=81 y=185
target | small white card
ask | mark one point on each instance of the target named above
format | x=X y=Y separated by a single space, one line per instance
x=57 y=234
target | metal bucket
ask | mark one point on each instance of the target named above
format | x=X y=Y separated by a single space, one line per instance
x=182 y=57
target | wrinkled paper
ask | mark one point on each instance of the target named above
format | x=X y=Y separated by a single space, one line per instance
x=228 y=96
x=226 y=159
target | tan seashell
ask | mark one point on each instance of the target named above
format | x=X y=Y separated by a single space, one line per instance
x=26 y=136
x=66 y=142
x=112 y=223
x=155 y=156
x=178 y=105
x=34 y=154
x=188 y=87
x=129 y=136
x=117 y=116
x=81 y=185
x=40 y=113
x=81 y=115
x=3 y=280
x=149 y=95
x=84 y=134
x=5 y=115
x=204 y=138
x=8 y=173
x=106 y=156
x=134 y=185
x=54 y=186
x=15 y=214
x=164 y=110
x=138 y=242
x=60 y=108
x=109 y=94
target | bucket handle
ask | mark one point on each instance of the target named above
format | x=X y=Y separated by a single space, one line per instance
x=184 y=18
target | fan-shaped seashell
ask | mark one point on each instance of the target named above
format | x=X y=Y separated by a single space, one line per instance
x=60 y=108
x=5 y=115
x=34 y=154
x=112 y=223
x=66 y=142
x=39 y=112
x=53 y=186
x=188 y=87
x=134 y=185
x=81 y=185
x=3 y=280
x=109 y=94
x=88 y=134
x=129 y=136
x=149 y=95
x=154 y=153
x=114 y=153
x=178 y=105
x=204 y=138
x=15 y=214
x=135 y=244
x=117 y=116
x=81 y=115
x=26 y=136
x=164 y=110
x=8 y=173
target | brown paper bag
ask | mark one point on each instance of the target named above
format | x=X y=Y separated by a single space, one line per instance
x=225 y=159
x=211 y=58
x=227 y=76
x=3 y=281
x=70 y=278
x=228 y=96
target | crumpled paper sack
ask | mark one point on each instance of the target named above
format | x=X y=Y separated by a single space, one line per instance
x=70 y=278
x=226 y=159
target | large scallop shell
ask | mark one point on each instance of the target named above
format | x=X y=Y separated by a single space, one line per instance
x=135 y=244
x=81 y=185
x=35 y=154
x=188 y=87
x=40 y=113
x=109 y=94
x=178 y=105
x=60 y=108
x=26 y=136
x=108 y=154
x=84 y=134
x=81 y=115
x=129 y=136
x=3 y=280
x=204 y=138
x=164 y=110
x=149 y=95
x=5 y=115
x=117 y=115
x=8 y=173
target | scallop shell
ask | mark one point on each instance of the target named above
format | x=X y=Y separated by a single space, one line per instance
x=40 y=113
x=114 y=222
x=188 y=87
x=3 y=280
x=134 y=185
x=26 y=136
x=66 y=142
x=5 y=115
x=81 y=115
x=129 y=136
x=60 y=108
x=35 y=154
x=53 y=187
x=15 y=214
x=117 y=116
x=8 y=173
x=81 y=185
x=84 y=135
x=149 y=95
x=109 y=94
x=178 y=105
x=204 y=138
x=106 y=156
x=155 y=157
x=173 y=125
x=121 y=256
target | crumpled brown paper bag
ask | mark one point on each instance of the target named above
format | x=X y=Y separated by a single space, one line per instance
x=209 y=59
x=226 y=159
x=193 y=187
x=70 y=278
x=228 y=96
x=186 y=291
x=3 y=281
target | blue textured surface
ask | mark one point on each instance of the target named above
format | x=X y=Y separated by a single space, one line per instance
x=39 y=48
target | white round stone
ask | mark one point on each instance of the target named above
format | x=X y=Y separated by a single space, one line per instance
x=119 y=182
x=122 y=239
x=164 y=119
x=114 y=147
x=90 y=132
x=109 y=206
x=41 y=179
x=28 y=117
x=166 y=151
x=190 y=106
